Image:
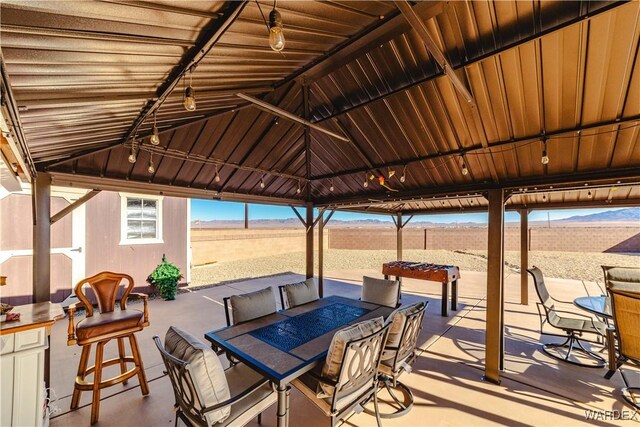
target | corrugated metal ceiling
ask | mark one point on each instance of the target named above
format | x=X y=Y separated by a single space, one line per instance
x=564 y=71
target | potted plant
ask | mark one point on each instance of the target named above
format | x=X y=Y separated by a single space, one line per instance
x=165 y=277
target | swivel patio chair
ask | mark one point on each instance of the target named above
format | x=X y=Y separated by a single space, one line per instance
x=574 y=325
x=625 y=302
x=249 y=306
x=348 y=378
x=245 y=307
x=101 y=327
x=399 y=354
x=620 y=278
x=295 y=294
x=381 y=291
x=205 y=394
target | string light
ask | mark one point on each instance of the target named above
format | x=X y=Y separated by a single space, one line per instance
x=262 y=182
x=366 y=180
x=331 y=187
x=217 y=177
x=132 y=155
x=151 y=169
x=545 y=158
x=391 y=173
x=299 y=188
x=276 y=36
x=190 y=95
x=403 y=177
x=155 y=137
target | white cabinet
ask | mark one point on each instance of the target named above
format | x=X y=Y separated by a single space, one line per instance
x=22 y=358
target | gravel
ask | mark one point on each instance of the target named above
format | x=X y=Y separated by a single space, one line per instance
x=564 y=265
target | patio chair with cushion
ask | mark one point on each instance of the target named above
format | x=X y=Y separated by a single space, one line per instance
x=205 y=394
x=399 y=354
x=101 y=327
x=348 y=378
x=380 y=291
x=620 y=278
x=298 y=293
x=249 y=306
x=625 y=302
x=574 y=325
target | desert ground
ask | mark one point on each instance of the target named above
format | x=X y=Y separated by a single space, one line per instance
x=562 y=265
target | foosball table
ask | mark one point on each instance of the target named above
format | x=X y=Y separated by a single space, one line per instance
x=444 y=274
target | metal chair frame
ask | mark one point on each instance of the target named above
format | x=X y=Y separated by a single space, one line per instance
x=350 y=379
x=573 y=336
x=404 y=352
x=186 y=393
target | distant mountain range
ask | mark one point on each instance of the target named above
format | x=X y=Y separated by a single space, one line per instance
x=624 y=217
x=627 y=214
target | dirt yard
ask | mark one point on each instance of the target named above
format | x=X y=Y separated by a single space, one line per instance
x=564 y=265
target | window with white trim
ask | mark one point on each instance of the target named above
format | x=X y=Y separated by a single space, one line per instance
x=141 y=219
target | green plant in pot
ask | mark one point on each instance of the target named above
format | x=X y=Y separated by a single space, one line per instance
x=165 y=277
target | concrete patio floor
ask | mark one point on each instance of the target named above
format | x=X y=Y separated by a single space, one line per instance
x=446 y=380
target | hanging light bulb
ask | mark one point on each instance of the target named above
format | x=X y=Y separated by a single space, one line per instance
x=132 y=155
x=465 y=171
x=381 y=179
x=365 y=184
x=190 y=95
x=403 y=177
x=331 y=187
x=155 y=137
x=151 y=169
x=276 y=36
x=545 y=158
x=299 y=189
x=391 y=173
x=261 y=182
x=217 y=177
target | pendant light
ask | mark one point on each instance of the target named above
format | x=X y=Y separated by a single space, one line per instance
x=299 y=189
x=465 y=171
x=151 y=169
x=276 y=36
x=132 y=155
x=217 y=177
x=331 y=187
x=262 y=182
x=403 y=177
x=545 y=158
x=366 y=180
x=190 y=95
x=155 y=137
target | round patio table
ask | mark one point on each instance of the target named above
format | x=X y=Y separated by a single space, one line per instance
x=600 y=306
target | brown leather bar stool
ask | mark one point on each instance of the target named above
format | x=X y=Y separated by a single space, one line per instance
x=100 y=328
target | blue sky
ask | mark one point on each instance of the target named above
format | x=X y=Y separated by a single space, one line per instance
x=213 y=209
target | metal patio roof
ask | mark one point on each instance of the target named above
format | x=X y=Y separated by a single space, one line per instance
x=86 y=76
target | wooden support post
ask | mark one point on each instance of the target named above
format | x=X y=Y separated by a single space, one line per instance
x=495 y=286
x=524 y=256
x=309 y=228
x=41 y=199
x=321 y=255
x=399 y=226
x=246 y=215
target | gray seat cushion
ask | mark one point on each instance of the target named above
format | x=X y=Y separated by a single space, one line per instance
x=301 y=293
x=206 y=371
x=380 y=291
x=252 y=305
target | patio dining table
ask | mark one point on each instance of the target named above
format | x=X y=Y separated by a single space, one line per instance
x=284 y=345
x=600 y=306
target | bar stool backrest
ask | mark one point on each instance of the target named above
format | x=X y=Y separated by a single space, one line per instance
x=105 y=286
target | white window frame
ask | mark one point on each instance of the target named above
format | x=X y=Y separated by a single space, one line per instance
x=124 y=240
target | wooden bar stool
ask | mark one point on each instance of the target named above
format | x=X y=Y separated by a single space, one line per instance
x=100 y=328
